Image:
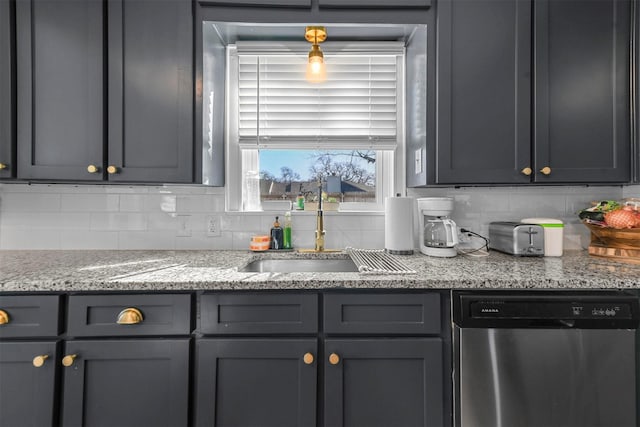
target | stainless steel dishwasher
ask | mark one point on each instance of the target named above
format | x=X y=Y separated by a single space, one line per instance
x=544 y=359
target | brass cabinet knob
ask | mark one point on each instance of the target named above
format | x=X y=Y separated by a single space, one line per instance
x=4 y=317
x=38 y=361
x=527 y=171
x=129 y=316
x=92 y=169
x=334 y=359
x=545 y=170
x=308 y=358
x=112 y=169
x=3 y=166
x=68 y=359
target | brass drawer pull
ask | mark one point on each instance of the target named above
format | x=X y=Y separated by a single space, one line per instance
x=546 y=170
x=527 y=171
x=38 y=361
x=4 y=317
x=130 y=316
x=3 y=166
x=112 y=169
x=92 y=169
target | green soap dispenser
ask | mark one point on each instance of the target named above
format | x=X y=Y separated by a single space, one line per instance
x=286 y=242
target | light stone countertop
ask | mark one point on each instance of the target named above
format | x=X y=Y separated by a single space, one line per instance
x=58 y=271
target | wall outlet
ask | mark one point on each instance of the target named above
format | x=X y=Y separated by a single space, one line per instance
x=418 y=161
x=184 y=228
x=213 y=226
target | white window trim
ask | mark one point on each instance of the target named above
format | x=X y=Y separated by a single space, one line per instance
x=390 y=164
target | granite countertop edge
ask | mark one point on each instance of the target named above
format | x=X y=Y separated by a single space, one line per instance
x=166 y=271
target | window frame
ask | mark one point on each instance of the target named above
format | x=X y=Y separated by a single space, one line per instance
x=390 y=164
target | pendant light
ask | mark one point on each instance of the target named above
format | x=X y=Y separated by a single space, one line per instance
x=316 y=70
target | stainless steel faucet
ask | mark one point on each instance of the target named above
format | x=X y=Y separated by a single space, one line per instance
x=319 y=221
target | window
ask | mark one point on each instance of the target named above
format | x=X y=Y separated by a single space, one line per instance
x=285 y=131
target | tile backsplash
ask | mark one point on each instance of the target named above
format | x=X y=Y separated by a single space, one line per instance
x=65 y=216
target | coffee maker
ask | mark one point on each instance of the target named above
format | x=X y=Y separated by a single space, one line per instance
x=438 y=233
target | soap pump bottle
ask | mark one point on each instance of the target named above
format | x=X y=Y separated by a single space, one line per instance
x=286 y=242
x=276 y=235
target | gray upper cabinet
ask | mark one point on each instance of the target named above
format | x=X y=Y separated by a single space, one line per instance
x=636 y=145
x=582 y=127
x=150 y=90
x=62 y=124
x=484 y=86
x=60 y=89
x=578 y=96
x=395 y=4
x=7 y=91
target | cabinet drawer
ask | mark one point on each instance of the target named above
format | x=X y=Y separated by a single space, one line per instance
x=260 y=3
x=30 y=316
x=98 y=315
x=253 y=314
x=373 y=4
x=402 y=314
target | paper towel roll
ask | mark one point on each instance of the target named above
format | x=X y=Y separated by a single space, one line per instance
x=398 y=225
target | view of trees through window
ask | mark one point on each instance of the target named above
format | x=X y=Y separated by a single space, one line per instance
x=350 y=175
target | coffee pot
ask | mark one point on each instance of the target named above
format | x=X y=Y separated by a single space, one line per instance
x=438 y=233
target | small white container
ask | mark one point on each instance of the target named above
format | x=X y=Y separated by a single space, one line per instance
x=553 y=234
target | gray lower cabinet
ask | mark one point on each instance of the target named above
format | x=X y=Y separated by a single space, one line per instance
x=266 y=3
x=122 y=382
x=28 y=383
x=7 y=91
x=378 y=359
x=380 y=382
x=374 y=4
x=29 y=328
x=60 y=79
x=268 y=382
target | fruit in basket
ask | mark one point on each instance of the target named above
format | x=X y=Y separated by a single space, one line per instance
x=595 y=214
x=622 y=218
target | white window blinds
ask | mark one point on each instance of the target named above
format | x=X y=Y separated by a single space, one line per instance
x=355 y=107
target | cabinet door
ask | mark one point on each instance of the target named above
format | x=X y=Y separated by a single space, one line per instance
x=7 y=91
x=256 y=382
x=582 y=91
x=384 y=382
x=150 y=90
x=26 y=390
x=60 y=89
x=126 y=383
x=484 y=88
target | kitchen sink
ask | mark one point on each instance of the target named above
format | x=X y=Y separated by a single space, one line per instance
x=299 y=266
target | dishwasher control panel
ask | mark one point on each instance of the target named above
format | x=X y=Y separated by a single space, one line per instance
x=616 y=311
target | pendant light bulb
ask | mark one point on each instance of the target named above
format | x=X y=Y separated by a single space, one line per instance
x=316 y=70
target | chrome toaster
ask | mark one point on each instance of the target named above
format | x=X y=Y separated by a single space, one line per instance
x=516 y=238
